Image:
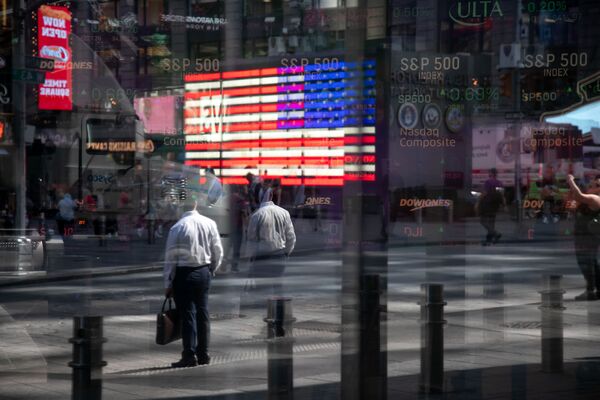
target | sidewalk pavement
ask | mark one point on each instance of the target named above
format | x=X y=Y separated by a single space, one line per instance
x=491 y=351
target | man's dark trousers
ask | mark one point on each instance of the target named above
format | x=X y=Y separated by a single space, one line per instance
x=268 y=269
x=191 y=287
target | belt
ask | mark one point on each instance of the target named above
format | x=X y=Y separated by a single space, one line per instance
x=193 y=267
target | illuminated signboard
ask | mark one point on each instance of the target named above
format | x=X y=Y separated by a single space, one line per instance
x=311 y=124
x=157 y=114
x=54 y=28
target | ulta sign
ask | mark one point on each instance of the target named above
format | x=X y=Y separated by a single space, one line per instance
x=54 y=28
x=474 y=13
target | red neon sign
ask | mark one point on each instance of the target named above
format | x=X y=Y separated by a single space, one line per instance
x=54 y=28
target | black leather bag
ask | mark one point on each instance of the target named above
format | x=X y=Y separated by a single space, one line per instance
x=168 y=325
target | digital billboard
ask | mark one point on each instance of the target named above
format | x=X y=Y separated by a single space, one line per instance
x=54 y=29
x=311 y=124
x=157 y=114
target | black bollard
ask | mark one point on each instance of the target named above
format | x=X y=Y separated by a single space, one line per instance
x=432 y=321
x=552 y=323
x=374 y=372
x=280 y=348
x=87 y=358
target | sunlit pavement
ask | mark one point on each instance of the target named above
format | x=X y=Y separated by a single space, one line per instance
x=492 y=339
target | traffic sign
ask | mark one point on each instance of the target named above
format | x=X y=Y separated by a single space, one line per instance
x=28 y=75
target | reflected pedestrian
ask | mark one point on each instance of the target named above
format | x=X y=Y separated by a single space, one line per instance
x=237 y=219
x=487 y=206
x=271 y=239
x=193 y=254
x=253 y=191
x=550 y=195
x=66 y=215
x=586 y=241
x=265 y=193
x=214 y=188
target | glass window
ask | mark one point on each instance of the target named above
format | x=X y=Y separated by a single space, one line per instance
x=310 y=199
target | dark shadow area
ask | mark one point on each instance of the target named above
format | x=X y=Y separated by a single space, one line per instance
x=578 y=381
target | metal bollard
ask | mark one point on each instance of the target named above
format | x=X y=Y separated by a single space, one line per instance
x=280 y=348
x=552 y=323
x=373 y=381
x=432 y=321
x=87 y=358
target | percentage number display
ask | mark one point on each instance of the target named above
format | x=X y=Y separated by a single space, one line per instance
x=537 y=6
x=469 y=94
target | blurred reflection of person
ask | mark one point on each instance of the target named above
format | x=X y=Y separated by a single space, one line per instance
x=488 y=204
x=266 y=192
x=124 y=217
x=299 y=198
x=253 y=187
x=317 y=209
x=271 y=239
x=586 y=241
x=193 y=254
x=214 y=188
x=549 y=195
x=238 y=214
x=66 y=215
x=277 y=191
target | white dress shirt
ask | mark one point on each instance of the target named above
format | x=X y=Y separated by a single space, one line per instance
x=193 y=241
x=270 y=230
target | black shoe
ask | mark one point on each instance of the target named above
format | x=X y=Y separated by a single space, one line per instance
x=497 y=237
x=203 y=360
x=588 y=295
x=185 y=363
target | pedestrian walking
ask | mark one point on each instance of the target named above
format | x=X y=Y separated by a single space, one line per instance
x=271 y=239
x=487 y=206
x=586 y=240
x=193 y=254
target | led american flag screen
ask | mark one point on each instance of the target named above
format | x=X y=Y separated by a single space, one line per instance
x=309 y=124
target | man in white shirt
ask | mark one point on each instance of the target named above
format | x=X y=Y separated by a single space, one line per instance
x=193 y=254
x=271 y=239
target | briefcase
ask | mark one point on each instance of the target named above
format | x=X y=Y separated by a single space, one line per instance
x=168 y=325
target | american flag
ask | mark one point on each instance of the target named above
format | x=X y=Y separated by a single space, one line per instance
x=307 y=124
